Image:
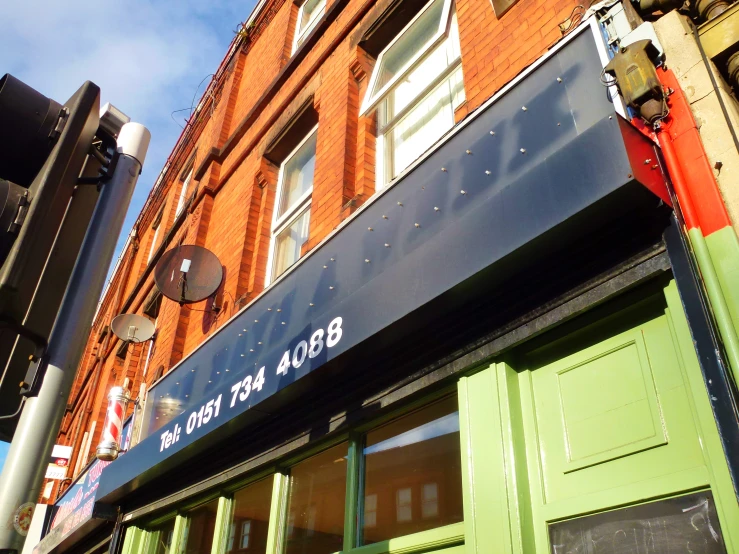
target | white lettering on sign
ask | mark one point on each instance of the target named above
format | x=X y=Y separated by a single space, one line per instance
x=241 y=390
x=170 y=437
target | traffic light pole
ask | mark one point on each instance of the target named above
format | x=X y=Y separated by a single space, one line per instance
x=24 y=469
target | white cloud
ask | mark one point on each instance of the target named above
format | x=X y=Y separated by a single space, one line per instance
x=147 y=56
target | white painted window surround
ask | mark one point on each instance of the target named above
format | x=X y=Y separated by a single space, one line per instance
x=309 y=14
x=291 y=217
x=415 y=87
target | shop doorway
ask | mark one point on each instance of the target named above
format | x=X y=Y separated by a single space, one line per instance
x=608 y=443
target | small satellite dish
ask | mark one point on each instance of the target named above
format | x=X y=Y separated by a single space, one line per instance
x=188 y=273
x=132 y=327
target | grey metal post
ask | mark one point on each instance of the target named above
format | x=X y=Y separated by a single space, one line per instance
x=37 y=429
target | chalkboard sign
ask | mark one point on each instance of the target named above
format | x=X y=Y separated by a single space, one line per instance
x=682 y=524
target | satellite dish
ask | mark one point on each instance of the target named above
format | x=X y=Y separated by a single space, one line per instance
x=188 y=274
x=132 y=327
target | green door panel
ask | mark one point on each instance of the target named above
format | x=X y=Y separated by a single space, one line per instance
x=597 y=417
x=615 y=414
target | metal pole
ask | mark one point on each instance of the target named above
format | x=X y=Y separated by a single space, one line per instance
x=21 y=479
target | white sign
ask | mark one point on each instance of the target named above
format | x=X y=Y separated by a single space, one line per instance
x=57 y=468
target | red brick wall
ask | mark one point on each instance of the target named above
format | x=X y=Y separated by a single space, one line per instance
x=232 y=213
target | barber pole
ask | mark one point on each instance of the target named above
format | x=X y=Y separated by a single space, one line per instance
x=109 y=446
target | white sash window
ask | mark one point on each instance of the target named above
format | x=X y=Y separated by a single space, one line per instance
x=291 y=219
x=415 y=87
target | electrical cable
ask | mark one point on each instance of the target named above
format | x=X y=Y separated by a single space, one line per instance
x=13 y=415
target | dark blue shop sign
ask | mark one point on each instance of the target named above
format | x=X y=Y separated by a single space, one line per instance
x=76 y=509
x=546 y=153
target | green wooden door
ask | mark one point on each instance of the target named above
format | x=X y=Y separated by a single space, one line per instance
x=611 y=418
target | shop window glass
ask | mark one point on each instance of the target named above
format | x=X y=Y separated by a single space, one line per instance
x=413 y=474
x=162 y=538
x=250 y=519
x=201 y=525
x=315 y=522
x=415 y=87
x=291 y=220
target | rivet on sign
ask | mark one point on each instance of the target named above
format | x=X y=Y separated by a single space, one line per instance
x=251 y=350
x=463 y=191
x=559 y=124
x=369 y=228
x=218 y=372
x=384 y=217
x=269 y=309
x=469 y=152
x=244 y=330
x=436 y=208
x=487 y=172
x=443 y=169
x=279 y=309
x=311 y=304
x=331 y=287
x=610 y=117
x=417 y=225
x=400 y=203
x=243 y=355
x=524 y=108
x=559 y=79
x=325 y=267
x=210 y=381
x=260 y=342
x=523 y=150
x=176 y=383
x=366 y=260
x=492 y=133
x=387 y=245
x=186 y=396
x=239 y=334
x=256 y=321
x=228 y=370
x=282 y=322
x=332 y=259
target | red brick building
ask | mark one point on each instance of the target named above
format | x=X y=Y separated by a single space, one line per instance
x=218 y=187
x=483 y=134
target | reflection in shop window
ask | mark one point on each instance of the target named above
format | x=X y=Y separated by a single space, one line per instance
x=413 y=466
x=430 y=501
x=249 y=521
x=370 y=510
x=403 y=503
x=201 y=525
x=162 y=538
x=316 y=503
x=245 y=532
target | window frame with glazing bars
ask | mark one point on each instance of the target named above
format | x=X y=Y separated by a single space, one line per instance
x=292 y=213
x=373 y=101
x=138 y=537
x=301 y=35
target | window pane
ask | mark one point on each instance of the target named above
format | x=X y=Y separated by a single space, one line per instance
x=297 y=175
x=433 y=65
x=410 y=43
x=200 y=528
x=289 y=242
x=247 y=532
x=310 y=11
x=315 y=522
x=162 y=536
x=425 y=123
x=413 y=474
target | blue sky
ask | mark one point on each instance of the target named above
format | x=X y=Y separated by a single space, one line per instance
x=147 y=56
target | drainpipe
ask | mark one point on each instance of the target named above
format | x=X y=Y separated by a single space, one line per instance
x=713 y=240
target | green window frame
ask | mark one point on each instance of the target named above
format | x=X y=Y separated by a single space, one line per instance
x=141 y=536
